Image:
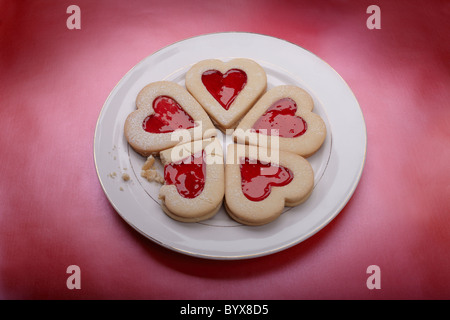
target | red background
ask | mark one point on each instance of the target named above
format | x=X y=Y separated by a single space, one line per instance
x=53 y=212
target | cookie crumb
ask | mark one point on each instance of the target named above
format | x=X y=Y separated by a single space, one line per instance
x=112 y=175
x=152 y=175
x=149 y=173
x=149 y=163
x=125 y=177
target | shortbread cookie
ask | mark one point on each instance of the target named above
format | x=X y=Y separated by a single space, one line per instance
x=194 y=180
x=285 y=111
x=259 y=186
x=164 y=109
x=226 y=90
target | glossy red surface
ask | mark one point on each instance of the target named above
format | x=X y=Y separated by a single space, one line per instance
x=188 y=175
x=168 y=117
x=281 y=116
x=257 y=178
x=224 y=87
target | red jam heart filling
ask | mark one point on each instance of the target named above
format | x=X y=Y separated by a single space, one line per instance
x=188 y=175
x=224 y=87
x=281 y=116
x=257 y=178
x=168 y=117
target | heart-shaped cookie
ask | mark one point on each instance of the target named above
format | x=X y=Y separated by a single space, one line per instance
x=163 y=109
x=258 y=187
x=286 y=112
x=194 y=180
x=226 y=90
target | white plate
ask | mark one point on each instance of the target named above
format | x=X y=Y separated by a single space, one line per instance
x=337 y=165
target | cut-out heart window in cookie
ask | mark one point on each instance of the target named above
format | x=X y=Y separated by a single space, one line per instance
x=224 y=87
x=281 y=116
x=168 y=117
x=187 y=175
x=257 y=178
